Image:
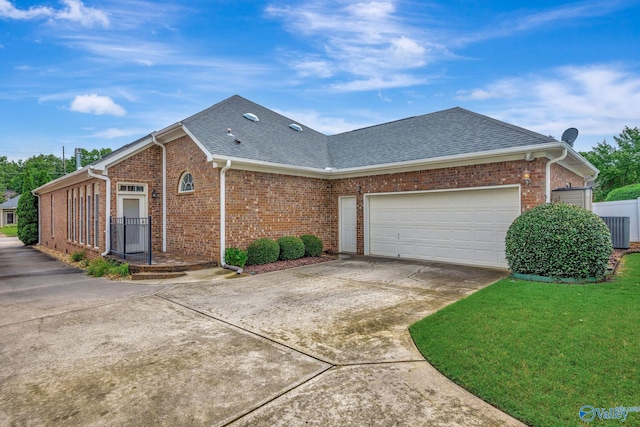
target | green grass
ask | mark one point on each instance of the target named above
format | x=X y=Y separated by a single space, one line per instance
x=540 y=351
x=107 y=267
x=9 y=230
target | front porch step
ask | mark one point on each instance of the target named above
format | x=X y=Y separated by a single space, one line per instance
x=157 y=275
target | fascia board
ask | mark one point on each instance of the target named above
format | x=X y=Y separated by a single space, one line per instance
x=125 y=154
x=536 y=151
x=502 y=155
x=198 y=143
x=260 y=166
x=72 y=178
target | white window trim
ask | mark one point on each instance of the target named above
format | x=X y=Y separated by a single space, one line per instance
x=180 y=190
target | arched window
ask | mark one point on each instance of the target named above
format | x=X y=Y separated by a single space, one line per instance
x=186 y=183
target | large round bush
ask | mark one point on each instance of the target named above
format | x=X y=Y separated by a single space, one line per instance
x=291 y=247
x=262 y=251
x=312 y=245
x=628 y=192
x=559 y=240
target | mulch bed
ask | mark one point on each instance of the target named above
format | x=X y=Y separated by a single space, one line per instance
x=614 y=259
x=283 y=265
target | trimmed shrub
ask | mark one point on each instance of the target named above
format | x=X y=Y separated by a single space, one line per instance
x=628 y=192
x=262 y=251
x=236 y=257
x=291 y=247
x=312 y=245
x=559 y=240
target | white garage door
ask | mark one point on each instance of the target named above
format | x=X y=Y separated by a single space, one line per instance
x=465 y=227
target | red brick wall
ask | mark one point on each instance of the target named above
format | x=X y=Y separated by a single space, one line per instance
x=192 y=218
x=57 y=237
x=270 y=205
x=492 y=174
x=560 y=177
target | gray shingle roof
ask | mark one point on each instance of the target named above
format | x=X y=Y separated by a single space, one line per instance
x=270 y=139
x=455 y=131
x=445 y=133
x=10 y=204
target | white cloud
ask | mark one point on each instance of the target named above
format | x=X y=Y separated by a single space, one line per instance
x=96 y=104
x=386 y=82
x=529 y=19
x=73 y=10
x=363 y=42
x=322 y=123
x=76 y=11
x=599 y=100
x=112 y=133
x=8 y=10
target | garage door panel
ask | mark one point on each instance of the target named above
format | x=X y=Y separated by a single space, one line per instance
x=462 y=236
x=467 y=226
x=488 y=236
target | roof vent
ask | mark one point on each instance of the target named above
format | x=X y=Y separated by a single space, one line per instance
x=251 y=116
x=296 y=127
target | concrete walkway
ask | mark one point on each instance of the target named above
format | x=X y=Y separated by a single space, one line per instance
x=320 y=345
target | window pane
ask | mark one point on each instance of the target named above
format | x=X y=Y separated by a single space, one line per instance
x=186 y=184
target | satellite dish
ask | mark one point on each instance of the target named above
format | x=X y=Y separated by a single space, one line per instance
x=569 y=136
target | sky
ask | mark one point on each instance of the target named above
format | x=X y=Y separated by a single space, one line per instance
x=101 y=74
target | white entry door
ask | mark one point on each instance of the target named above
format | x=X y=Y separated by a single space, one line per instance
x=134 y=230
x=348 y=223
x=132 y=214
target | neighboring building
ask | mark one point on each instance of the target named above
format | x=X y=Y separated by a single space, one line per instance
x=8 y=210
x=443 y=186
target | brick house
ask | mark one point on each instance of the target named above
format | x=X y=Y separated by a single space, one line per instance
x=443 y=186
x=8 y=212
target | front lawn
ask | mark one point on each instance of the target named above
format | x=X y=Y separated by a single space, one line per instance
x=541 y=351
x=9 y=230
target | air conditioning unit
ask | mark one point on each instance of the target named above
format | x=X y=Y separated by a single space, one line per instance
x=619 y=228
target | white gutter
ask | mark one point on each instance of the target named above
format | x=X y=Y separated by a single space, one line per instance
x=107 y=210
x=548 y=172
x=164 y=191
x=223 y=220
x=591 y=179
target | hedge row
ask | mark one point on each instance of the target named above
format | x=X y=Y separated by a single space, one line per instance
x=265 y=251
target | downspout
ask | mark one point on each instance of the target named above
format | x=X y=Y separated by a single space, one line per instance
x=223 y=226
x=164 y=192
x=548 y=172
x=107 y=210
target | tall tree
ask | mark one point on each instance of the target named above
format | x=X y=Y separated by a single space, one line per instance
x=619 y=166
x=86 y=158
x=46 y=166
x=27 y=212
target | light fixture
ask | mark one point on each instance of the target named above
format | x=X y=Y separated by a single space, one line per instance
x=154 y=194
x=359 y=189
x=526 y=176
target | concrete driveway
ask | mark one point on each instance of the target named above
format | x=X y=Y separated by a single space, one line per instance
x=320 y=345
